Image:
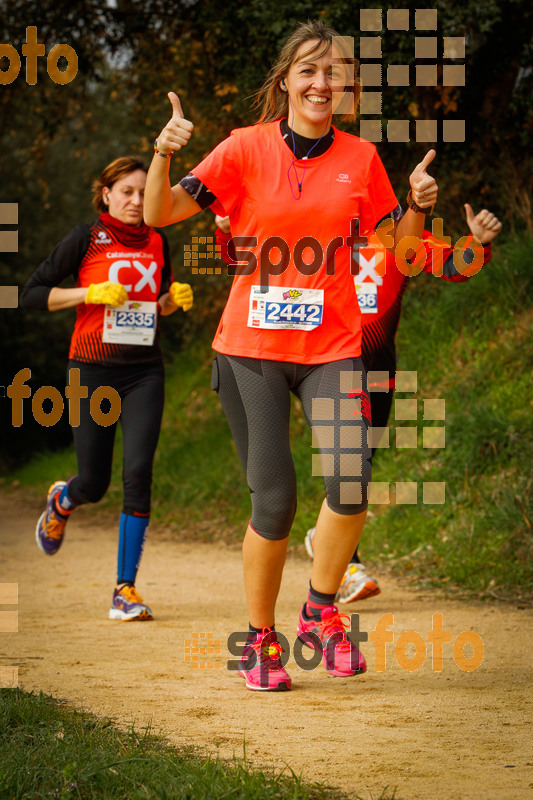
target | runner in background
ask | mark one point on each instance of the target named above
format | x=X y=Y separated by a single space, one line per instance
x=123 y=278
x=380 y=298
x=292 y=186
x=380 y=293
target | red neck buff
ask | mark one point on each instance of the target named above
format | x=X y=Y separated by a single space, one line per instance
x=129 y=235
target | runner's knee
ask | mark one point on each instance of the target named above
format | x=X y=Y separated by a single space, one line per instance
x=273 y=513
x=88 y=490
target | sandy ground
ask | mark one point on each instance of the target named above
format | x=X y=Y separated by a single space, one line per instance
x=430 y=734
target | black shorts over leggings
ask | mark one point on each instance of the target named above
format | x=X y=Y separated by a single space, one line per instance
x=255 y=396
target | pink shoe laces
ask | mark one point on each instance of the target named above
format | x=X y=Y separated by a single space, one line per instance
x=336 y=624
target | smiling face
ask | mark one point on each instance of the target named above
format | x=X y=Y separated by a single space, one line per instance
x=125 y=198
x=311 y=81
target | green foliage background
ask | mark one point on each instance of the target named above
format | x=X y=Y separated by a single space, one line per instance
x=472 y=344
x=215 y=54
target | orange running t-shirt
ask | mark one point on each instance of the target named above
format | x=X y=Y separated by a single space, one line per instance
x=314 y=318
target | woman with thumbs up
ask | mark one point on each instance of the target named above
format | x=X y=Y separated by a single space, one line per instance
x=123 y=283
x=299 y=193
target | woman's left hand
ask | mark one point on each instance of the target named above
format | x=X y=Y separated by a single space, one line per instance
x=423 y=187
x=222 y=223
x=484 y=226
x=180 y=294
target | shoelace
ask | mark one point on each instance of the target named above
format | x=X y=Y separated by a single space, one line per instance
x=335 y=624
x=55 y=528
x=131 y=595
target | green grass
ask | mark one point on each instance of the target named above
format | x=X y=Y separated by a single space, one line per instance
x=470 y=344
x=51 y=751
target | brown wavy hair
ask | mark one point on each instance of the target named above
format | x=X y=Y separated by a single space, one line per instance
x=271 y=100
x=111 y=174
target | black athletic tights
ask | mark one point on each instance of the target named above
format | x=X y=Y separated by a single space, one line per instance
x=255 y=395
x=141 y=390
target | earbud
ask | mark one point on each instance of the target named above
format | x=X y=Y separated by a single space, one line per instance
x=282 y=85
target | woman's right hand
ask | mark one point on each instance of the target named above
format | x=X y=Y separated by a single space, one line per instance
x=106 y=293
x=178 y=130
x=424 y=187
x=163 y=203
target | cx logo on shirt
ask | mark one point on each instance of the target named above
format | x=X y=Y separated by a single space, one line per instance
x=366 y=268
x=146 y=273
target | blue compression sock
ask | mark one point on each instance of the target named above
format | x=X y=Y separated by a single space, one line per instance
x=132 y=533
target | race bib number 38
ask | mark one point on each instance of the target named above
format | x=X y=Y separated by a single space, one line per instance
x=281 y=308
x=133 y=322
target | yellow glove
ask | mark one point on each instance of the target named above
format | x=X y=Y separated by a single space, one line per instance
x=107 y=293
x=180 y=294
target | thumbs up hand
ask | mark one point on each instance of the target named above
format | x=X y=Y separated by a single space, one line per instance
x=485 y=226
x=178 y=130
x=423 y=187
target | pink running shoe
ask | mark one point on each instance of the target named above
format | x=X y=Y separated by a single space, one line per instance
x=341 y=656
x=261 y=665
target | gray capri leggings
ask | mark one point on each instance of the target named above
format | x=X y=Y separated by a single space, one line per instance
x=255 y=396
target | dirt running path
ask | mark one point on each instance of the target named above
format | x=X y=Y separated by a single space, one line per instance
x=453 y=734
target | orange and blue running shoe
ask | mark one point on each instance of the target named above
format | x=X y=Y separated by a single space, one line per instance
x=261 y=664
x=51 y=526
x=340 y=655
x=127 y=604
x=356 y=584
